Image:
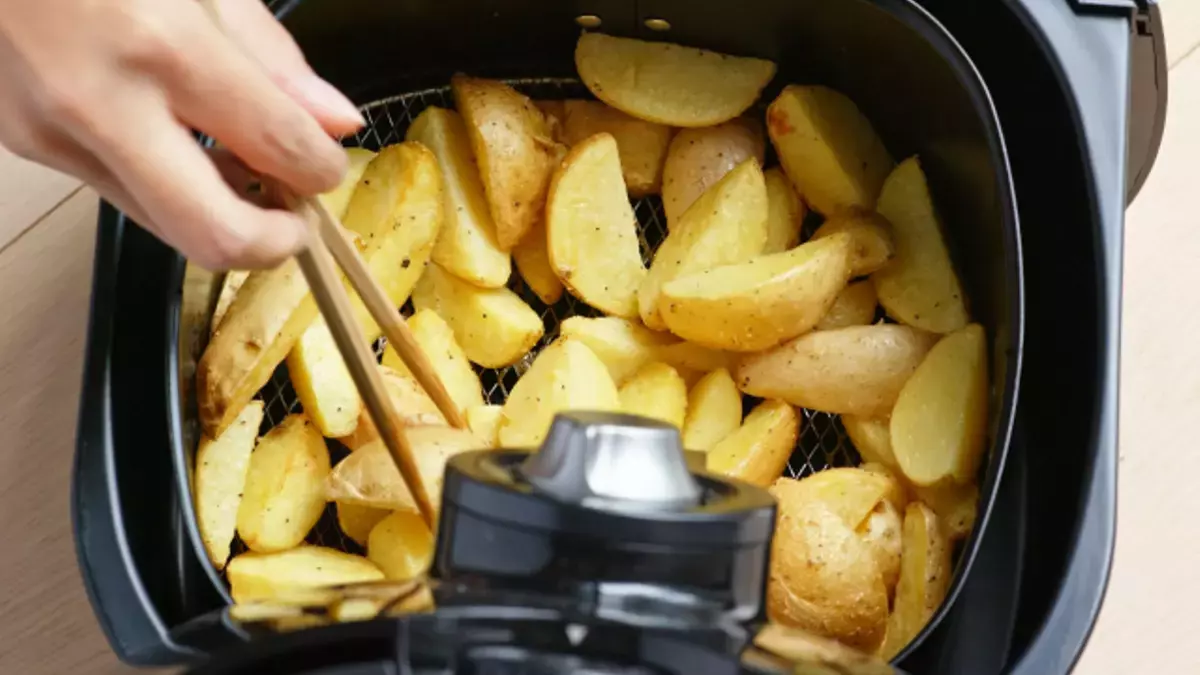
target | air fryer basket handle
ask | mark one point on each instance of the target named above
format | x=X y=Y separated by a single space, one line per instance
x=1147 y=97
x=125 y=610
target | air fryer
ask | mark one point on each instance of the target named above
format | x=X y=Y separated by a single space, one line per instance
x=1036 y=122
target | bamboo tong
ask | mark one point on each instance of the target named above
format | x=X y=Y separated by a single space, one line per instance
x=327 y=245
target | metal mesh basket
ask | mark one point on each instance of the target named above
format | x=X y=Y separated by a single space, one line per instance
x=822 y=442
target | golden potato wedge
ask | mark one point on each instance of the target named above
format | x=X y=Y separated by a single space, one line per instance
x=824 y=576
x=919 y=286
x=925 y=571
x=283 y=496
x=414 y=406
x=494 y=326
x=642 y=144
x=698 y=158
x=758 y=451
x=624 y=346
x=714 y=410
x=726 y=225
x=220 y=478
x=785 y=212
x=872 y=438
x=689 y=357
x=828 y=148
x=883 y=531
x=565 y=376
x=656 y=391
x=669 y=84
x=591 y=229
x=401 y=545
x=395 y=212
x=758 y=304
x=955 y=504
x=938 y=426
x=849 y=492
x=466 y=246
x=484 y=422
x=898 y=489
x=369 y=477
x=257 y=577
x=337 y=200
x=873 y=246
x=357 y=521
x=323 y=383
x=854 y=306
x=229 y=287
x=436 y=340
x=514 y=148
x=857 y=370
x=532 y=256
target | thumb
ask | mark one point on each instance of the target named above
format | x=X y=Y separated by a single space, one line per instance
x=250 y=25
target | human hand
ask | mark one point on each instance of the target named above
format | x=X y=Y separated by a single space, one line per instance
x=107 y=90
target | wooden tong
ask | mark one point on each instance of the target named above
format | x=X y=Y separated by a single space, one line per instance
x=328 y=244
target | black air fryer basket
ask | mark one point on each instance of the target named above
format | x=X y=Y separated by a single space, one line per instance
x=951 y=84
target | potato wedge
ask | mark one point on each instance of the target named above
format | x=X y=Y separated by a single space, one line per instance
x=824 y=576
x=656 y=391
x=494 y=326
x=466 y=246
x=591 y=229
x=669 y=84
x=555 y=112
x=714 y=411
x=624 y=346
x=401 y=545
x=849 y=492
x=758 y=304
x=898 y=489
x=220 y=478
x=925 y=571
x=410 y=401
x=369 y=477
x=956 y=506
x=698 y=158
x=514 y=148
x=726 y=225
x=828 y=148
x=257 y=577
x=436 y=340
x=484 y=422
x=872 y=438
x=401 y=186
x=873 y=246
x=919 y=286
x=229 y=287
x=689 y=357
x=565 y=376
x=357 y=521
x=642 y=144
x=323 y=383
x=532 y=256
x=854 y=306
x=338 y=199
x=939 y=423
x=785 y=212
x=857 y=370
x=758 y=451
x=283 y=497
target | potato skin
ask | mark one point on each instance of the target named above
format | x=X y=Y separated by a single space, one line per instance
x=515 y=150
x=871 y=234
x=854 y=306
x=266 y=576
x=643 y=145
x=824 y=577
x=857 y=370
x=925 y=572
x=698 y=158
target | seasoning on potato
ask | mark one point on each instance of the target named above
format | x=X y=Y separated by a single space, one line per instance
x=267 y=576
x=698 y=158
x=284 y=493
x=221 y=466
x=871 y=234
x=758 y=451
x=642 y=144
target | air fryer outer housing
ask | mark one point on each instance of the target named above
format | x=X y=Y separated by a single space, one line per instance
x=1060 y=74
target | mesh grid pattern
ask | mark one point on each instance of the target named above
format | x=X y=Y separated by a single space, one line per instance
x=822 y=443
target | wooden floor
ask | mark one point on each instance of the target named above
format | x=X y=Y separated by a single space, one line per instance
x=47 y=228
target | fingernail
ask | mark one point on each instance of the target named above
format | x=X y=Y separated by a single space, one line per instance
x=327 y=98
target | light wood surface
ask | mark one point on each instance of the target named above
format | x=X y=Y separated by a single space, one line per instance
x=47 y=229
